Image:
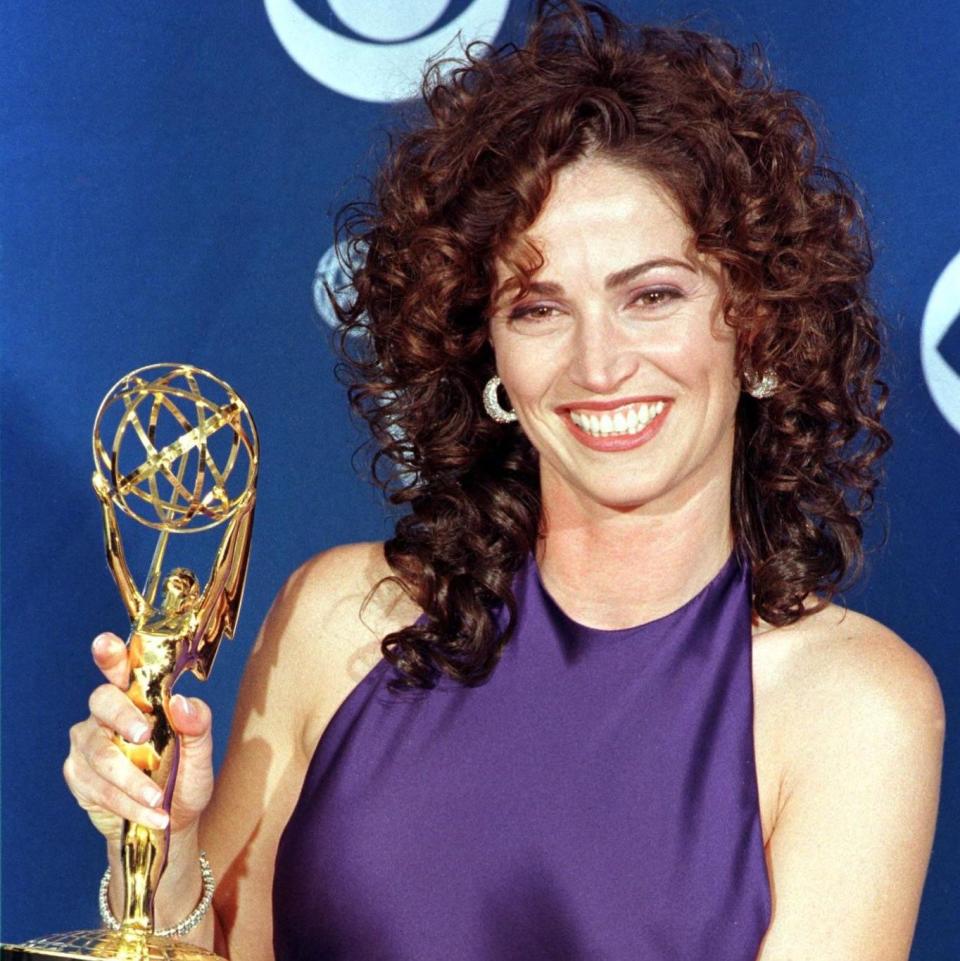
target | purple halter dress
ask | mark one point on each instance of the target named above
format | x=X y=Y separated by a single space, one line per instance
x=595 y=800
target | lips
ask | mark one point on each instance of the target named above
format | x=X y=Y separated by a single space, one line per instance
x=611 y=429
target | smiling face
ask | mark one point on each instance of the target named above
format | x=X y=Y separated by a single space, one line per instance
x=616 y=360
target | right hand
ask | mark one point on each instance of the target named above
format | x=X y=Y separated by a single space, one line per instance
x=110 y=787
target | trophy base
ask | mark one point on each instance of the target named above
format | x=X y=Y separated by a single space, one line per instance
x=116 y=945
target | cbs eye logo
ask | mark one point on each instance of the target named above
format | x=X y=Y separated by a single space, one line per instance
x=386 y=64
x=940 y=339
x=330 y=274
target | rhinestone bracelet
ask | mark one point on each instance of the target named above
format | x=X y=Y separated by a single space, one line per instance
x=188 y=923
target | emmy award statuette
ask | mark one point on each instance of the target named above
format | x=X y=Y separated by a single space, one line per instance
x=175 y=449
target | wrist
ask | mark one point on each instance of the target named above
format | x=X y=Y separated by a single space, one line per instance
x=183 y=848
x=169 y=900
x=180 y=886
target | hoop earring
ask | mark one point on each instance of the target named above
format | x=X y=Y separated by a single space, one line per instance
x=760 y=387
x=491 y=403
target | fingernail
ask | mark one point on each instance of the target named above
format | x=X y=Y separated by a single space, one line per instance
x=100 y=643
x=185 y=705
x=152 y=796
x=139 y=732
x=158 y=819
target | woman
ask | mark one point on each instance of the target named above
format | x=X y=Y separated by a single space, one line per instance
x=593 y=698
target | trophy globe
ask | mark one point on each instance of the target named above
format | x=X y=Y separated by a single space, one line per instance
x=178 y=446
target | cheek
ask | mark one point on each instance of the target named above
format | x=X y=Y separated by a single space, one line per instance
x=700 y=357
x=527 y=368
x=523 y=382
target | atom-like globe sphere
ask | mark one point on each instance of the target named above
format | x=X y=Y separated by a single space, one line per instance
x=177 y=446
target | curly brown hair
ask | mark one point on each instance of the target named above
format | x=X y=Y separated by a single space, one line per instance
x=742 y=161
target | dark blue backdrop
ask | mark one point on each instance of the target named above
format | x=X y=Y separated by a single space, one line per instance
x=169 y=178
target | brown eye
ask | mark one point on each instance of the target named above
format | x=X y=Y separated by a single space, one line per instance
x=532 y=312
x=657 y=296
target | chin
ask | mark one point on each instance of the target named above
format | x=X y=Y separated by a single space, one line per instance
x=616 y=498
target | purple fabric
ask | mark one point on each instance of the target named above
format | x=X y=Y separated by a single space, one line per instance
x=596 y=799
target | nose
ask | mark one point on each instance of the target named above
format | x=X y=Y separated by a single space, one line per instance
x=601 y=357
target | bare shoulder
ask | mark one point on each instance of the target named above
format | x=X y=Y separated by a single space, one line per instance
x=347 y=597
x=320 y=637
x=340 y=604
x=837 y=664
x=857 y=719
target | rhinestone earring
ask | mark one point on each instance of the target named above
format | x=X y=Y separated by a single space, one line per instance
x=760 y=387
x=491 y=403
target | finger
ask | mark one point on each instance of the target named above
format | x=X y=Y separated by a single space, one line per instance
x=192 y=718
x=112 y=709
x=110 y=655
x=108 y=762
x=96 y=793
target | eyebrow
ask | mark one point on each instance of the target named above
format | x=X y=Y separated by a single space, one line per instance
x=612 y=281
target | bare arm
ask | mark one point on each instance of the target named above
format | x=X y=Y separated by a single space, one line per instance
x=313 y=649
x=849 y=851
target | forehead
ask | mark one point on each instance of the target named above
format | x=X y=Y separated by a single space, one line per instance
x=599 y=209
x=602 y=187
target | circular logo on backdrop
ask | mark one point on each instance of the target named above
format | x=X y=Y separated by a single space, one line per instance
x=387 y=64
x=940 y=343
x=331 y=275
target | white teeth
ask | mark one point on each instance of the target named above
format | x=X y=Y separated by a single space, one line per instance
x=625 y=420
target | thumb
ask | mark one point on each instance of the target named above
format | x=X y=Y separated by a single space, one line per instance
x=192 y=718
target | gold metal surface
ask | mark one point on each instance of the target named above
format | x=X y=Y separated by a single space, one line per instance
x=189 y=433
x=116 y=945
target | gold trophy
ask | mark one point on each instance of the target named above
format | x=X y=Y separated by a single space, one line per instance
x=175 y=449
